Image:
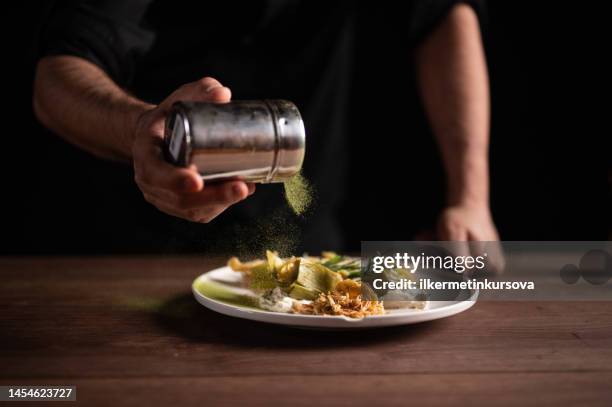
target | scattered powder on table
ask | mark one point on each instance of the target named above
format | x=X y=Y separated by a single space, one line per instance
x=299 y=193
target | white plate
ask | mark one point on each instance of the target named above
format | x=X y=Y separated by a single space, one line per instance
x=223 y=281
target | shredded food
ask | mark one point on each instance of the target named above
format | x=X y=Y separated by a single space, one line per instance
x=326 y=285
x=345 y=300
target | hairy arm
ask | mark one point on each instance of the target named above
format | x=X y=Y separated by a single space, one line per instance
x=454 y=86
x=79 y=102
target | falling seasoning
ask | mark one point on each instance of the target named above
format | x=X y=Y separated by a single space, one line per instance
x=279 y=229
x=299 y=193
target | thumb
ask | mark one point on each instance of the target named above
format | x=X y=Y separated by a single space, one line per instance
x=203 y=90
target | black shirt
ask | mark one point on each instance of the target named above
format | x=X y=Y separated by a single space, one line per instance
x=303 y=51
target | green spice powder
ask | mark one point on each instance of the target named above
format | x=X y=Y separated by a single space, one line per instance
x=278 y=230
x=299 y=193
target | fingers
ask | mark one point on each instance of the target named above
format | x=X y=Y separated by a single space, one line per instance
x=222 y=194
x=201 y=206
x=456 y=235
x=251 y=187
x=181 y=191
x=496 y=261
x=459 y=248
x=151 y=170
x=203 y=90
x=451 y=230
x=477 y=247
x=470 y=233
x=149 y=163
x=219 y=95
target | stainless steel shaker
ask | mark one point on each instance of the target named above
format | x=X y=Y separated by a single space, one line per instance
x=256 y=141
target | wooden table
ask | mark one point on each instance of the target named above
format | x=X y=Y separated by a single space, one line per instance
x=126 y=331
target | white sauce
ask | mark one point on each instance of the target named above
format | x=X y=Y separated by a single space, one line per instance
x=276 y=301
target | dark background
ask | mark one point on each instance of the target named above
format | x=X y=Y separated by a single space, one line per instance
x=550 y=155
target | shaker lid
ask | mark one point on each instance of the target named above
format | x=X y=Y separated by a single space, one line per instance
x=291 y=139
x=177 y=136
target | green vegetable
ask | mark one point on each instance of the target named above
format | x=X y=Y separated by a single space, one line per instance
x=262 y=278
x=274 y=262
x=221 y=293
x=354 y=274
x=317 y=277
x=302 y=293
x=336 y=259
x=338 y=263
x=288 y=272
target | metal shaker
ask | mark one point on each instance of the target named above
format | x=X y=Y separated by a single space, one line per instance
x=256 y=141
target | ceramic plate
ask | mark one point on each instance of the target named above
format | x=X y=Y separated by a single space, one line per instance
x=221 y=290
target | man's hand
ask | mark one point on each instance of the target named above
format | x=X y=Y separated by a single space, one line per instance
x=471 y=229
x=180 y=191
x=466 y=222
x=98 y=116
x=453 y=79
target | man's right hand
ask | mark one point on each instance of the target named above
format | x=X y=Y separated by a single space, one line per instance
x=181 y=191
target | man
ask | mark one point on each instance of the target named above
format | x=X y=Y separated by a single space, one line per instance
x=110 y=71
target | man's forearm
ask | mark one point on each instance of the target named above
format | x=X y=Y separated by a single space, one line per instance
x=78 y=101
x=453 y=81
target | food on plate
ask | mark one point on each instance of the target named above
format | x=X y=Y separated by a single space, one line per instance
x=326 y=285
x=344 y=300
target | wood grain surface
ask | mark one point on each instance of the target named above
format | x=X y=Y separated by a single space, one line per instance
x=127 y=331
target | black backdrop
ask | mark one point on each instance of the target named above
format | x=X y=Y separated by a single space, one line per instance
x=550 y=155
